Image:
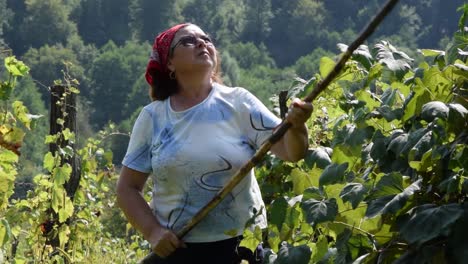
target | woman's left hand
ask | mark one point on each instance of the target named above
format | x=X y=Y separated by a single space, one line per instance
x=299 y=112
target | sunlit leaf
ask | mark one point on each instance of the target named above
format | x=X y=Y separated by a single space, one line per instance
x=5 y=232
x=326 y=66
x=16 y=67
x=49 y=161
x=434 y=109
x=61 y=175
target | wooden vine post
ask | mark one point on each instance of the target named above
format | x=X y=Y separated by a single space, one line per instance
x=283 y=128
x=62 y=117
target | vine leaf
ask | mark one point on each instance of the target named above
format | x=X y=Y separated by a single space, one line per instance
x=333 y=173
x=318 y=156
x=385 y=201
x=430 y=221
x=293 y=254
x=316 y=211
x=361 y=55
x=278 y=212
x=353 y=193
x=434 y=109
x=396 y=61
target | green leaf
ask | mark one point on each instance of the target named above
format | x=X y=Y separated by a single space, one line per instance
x=293 y=254
x=333 y=173
x=318 y=156
x=431 y=52
x=278 y=212
x=429 y=221
x=62 y=175
x=5 y=232
x=22 y=113
x=319 y=211
x=413 y=139
x=353 y=193
x=66 y=211
x=389 y=184
x=301 y=181
x=396 y=61
x=49 y=161
x=397 y=142
x=434 y=109
x=326 y=66
x=457 y=242
x=16 y=67
x=252 y=239
x=457 y=118
x=361 y=55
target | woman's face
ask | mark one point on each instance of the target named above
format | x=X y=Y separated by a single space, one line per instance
x=192 y=50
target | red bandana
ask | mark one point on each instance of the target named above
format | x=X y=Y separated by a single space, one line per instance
x=160 y=52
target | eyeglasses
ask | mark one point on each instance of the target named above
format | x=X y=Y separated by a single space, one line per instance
x=190 y=40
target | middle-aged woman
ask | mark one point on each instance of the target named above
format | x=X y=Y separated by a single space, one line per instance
x=191 y=139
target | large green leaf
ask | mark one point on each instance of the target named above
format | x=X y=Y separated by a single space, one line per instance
x=318 y=156
x=434 y=109
x=457 y=118
x=457 y=242
x=277 y=212
x=5 y=232
x=429 y=221
x=361 y=55
x=353 y=193
x=396 y=61
x=293 y=254
x=413 y=139
x=389 y=184
x=398 y=141
x=316 y=211
x=333 y=173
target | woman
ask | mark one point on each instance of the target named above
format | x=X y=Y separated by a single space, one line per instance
x=191 y=139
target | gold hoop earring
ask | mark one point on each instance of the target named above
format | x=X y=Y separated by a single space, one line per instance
x=172 y=75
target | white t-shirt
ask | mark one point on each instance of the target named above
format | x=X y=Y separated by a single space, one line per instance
x=193 y=153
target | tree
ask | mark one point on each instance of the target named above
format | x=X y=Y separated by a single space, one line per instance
x=224 y=20
x=5 y=17
x=258 y=17
x=308 y=65
x=248 y=55
x=111 y=78
x=297 y=25
x=149 y=17
x=99 y=21
x=45 y=23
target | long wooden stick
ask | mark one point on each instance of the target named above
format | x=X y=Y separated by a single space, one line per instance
x=282 y=129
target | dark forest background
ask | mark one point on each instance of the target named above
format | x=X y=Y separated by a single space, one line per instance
x=265 y=44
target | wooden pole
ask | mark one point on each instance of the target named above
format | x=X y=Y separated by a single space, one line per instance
x=63 y=107
x=283 y=128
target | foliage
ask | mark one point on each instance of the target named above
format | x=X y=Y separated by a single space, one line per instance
x=53 y=224
x=387 y=181
x=98 y=23
x=49 y=18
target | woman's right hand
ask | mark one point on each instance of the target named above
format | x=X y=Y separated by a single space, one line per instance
x=164 y=242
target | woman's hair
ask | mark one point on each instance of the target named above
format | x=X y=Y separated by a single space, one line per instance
x=163 y=86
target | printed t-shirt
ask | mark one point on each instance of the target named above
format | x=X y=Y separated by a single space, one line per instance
x=191 y=154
